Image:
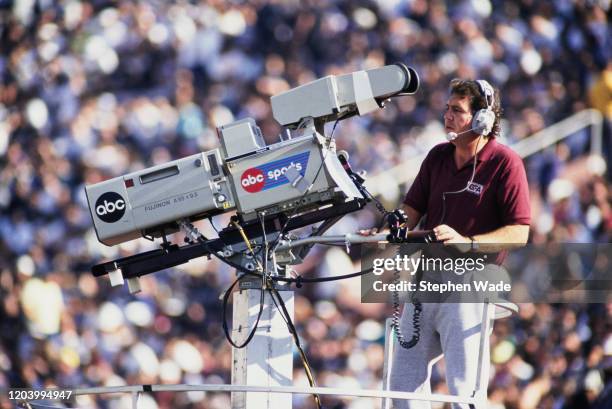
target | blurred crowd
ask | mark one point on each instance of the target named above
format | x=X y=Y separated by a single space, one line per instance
x=94 y=90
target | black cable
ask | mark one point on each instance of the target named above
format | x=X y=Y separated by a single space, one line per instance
x=228 y=293
x=225 y=327
x=377 y=203
x=300 y=279
x=265 y=247
x=416 y=318
x=287 y=318
x=213 y=225
x=379 y=206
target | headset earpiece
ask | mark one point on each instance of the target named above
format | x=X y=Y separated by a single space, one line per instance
x=483 y=120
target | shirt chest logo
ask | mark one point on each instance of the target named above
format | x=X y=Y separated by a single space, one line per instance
x=474 y=188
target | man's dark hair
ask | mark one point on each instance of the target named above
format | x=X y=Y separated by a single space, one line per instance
x=469 y=88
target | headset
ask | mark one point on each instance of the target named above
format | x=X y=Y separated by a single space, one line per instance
x=483 y=120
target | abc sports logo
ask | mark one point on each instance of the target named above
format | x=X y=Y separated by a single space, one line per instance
x=271 y=175
x=110 y=207
x=252 y=180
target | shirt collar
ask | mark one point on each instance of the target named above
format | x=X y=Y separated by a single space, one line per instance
x=487 y=151
x=484 y=155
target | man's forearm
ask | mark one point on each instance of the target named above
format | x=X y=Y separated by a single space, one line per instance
x=504 y=238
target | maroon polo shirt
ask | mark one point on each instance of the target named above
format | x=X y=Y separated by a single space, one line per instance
x=498 y=197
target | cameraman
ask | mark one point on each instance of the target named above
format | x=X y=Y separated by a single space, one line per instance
x=480 y=208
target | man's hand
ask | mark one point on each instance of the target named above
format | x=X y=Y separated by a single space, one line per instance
x=368 y=232
x=448 y=235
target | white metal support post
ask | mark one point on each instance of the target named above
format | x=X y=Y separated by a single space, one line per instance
x=480 y=392
x=268 y=359
x=388 y=357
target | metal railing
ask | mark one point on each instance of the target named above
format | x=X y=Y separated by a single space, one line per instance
x=136 y=392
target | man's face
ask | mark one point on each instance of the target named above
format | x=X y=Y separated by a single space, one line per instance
x=458 y=116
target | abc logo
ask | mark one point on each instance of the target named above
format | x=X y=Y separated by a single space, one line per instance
x=252 y=180
x=110 y=207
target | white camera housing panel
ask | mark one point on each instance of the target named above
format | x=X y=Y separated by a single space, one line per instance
x=330 y=96
x=127 y=207
x=260 y=182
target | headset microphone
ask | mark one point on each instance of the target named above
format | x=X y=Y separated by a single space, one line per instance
x=451 y=136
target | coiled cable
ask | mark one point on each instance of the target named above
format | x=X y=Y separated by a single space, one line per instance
x=395 y=319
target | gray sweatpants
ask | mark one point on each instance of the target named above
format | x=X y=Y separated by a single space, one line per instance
x=452 y=329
